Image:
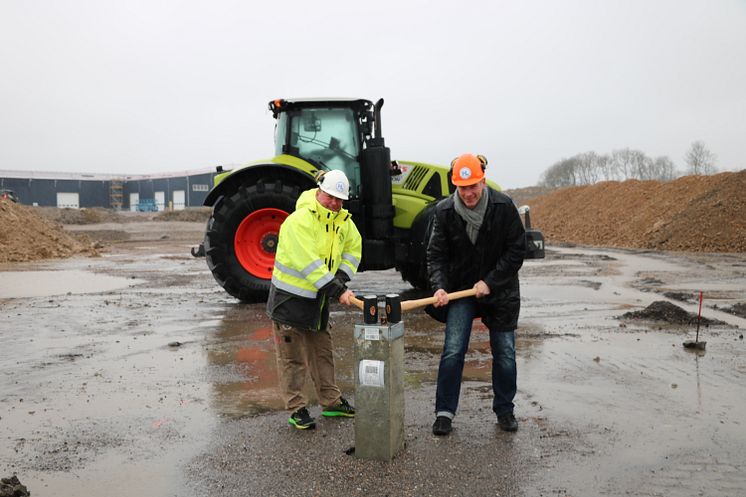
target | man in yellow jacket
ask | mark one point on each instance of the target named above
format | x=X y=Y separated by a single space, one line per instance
x=319 y=249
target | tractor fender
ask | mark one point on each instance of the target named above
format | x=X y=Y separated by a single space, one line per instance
x=267 y=172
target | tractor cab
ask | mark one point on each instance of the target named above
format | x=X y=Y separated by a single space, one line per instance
x=345 y=134
x=328 y=133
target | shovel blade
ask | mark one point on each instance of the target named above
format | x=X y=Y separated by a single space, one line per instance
x=691 y=344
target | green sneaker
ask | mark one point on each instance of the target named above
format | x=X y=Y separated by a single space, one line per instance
x=342 y=409
x=302 y=420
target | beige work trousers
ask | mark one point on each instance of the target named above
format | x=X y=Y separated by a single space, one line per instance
x=300 y=352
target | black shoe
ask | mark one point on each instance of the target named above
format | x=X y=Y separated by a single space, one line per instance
x=442 y=426
x=302 y=420
x=507 y=422
x=343 y=409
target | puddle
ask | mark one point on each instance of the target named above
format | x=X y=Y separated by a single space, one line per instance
x=96 y=395
x=243 y=369
x=22 y=284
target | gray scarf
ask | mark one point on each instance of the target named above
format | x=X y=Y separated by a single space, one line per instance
x=472 y=217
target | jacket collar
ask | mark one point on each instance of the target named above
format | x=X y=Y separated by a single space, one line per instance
x=307 y=200
x=495 y=197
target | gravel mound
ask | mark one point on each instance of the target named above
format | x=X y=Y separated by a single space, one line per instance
x=667 y=312
x=693 y=213
x=91 y=215
x=27 y=236
x=680 y=296
x=189 y=215
x=12 y=487
x=737 y=309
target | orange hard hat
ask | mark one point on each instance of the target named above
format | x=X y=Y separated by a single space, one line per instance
x=468 y=169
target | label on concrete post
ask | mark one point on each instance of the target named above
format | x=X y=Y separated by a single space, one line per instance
x=371 y=373
x=372 y=334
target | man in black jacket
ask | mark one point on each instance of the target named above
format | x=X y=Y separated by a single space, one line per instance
x=478 y=241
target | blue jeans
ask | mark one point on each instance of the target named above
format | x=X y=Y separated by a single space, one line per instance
x=450 y=372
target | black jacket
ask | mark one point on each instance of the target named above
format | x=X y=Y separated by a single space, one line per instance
x=454 y=263
x=305 y=313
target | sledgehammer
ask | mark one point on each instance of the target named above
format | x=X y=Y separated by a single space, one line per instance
x=408 y=305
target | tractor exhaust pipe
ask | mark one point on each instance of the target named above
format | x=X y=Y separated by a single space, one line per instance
x=379 y=210
x=534 y=238
x=378 y=138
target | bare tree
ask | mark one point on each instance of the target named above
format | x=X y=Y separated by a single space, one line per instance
x=663 y=169
x=562 y=173
x=587 y=168
x=627 y=163
x=699 y=159
x=621 y=163
x=641 y=165
x=605 y=167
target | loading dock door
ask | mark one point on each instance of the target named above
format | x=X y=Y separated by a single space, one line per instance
x=160 y=200
x=69 y=200
x=179 y=200
x=134 y=200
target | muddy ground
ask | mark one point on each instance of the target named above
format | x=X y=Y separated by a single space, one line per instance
x=133 y=373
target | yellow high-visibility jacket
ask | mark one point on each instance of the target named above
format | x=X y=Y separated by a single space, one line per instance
x=314 y=245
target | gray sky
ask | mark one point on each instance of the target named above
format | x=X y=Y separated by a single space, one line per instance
x=157 y=86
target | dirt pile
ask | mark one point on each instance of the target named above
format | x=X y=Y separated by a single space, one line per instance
x=693 y=213
x=667 y=312
x=737 y=309
x=91 y=215
x=12 y=487
x=27 y=236
x=189 y=215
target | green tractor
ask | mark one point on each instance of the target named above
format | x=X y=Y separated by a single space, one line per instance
x=391 y=202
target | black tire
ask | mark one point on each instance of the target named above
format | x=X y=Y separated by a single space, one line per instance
x=414 y=270
x=228 y=214
x=415 y=275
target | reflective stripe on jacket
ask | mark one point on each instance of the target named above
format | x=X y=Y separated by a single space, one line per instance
x=314 y=243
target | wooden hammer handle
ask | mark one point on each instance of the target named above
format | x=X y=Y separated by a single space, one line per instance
x=356 y=302
x=408 y=305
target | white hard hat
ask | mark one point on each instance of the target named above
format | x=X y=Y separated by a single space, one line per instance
x=336 y=184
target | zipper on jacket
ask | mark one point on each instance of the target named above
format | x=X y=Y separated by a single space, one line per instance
x=329 y=266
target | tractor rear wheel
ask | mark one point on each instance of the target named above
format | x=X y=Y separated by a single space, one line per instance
x=241 y=237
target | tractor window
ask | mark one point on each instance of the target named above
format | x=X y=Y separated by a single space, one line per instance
x=327 y=136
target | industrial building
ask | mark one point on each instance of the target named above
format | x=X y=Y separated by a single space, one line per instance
x=123 y=192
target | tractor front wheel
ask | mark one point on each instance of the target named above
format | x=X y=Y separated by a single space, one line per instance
x=242 y=234
x=414 y=269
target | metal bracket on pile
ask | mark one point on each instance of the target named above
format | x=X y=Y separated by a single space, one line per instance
x=386 y=333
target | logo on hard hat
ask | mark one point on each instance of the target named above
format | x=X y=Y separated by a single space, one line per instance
x=340 y=186
x=465 y=173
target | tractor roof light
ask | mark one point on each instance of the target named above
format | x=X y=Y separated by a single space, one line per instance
x=276 y=106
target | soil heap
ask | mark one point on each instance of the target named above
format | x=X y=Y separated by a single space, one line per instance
x=201 y=214
x=85 y=215
x=692 y=213
x=667 y=312
x=27 y=236
x=12 y=487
